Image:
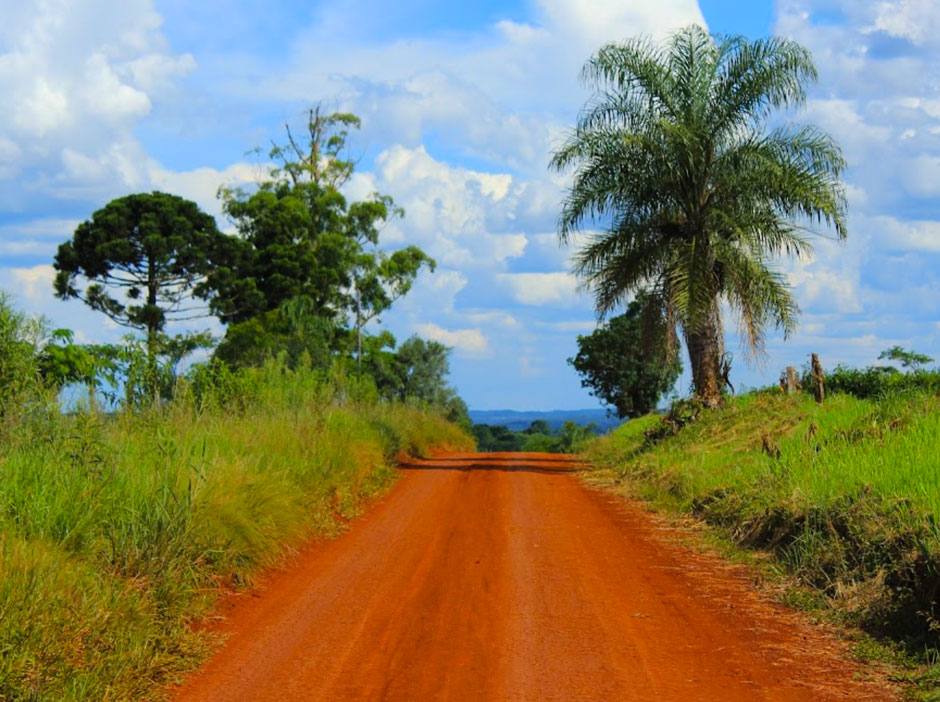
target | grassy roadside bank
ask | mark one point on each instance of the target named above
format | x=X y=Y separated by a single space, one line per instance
x=843 y=496
x=116 y=532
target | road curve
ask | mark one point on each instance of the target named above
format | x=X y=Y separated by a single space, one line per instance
x=501 y=577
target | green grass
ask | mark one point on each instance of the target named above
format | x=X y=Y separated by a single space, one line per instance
x=116 y=532
x=843 y=495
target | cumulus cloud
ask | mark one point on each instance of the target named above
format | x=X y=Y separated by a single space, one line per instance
x=78 y=76
x=897 y=235
x=461 y=217
x=201 y=185
x=558 y=289
x=471 y=342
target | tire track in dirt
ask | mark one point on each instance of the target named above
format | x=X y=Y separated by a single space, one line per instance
x=501 y=577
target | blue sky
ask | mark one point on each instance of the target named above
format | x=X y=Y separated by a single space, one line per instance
x=461 y=106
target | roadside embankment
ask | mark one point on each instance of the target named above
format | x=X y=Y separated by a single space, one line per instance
x=118 y=531
x=843 y=495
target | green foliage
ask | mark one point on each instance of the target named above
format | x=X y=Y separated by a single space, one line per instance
x=293 y=330
x=498 y=438
x=538 y=426
x=538 y=437
x=416 y=372
x=300 y=238
x=627 y=364
x=62 y=362
x=573 y=437
x=21 y=392
x=117 y=531
x=424 y=367
x=137 y=373
x=909 y=360
x=694 y=192
x=882 y=381
x=841 y=494
x=153 y=247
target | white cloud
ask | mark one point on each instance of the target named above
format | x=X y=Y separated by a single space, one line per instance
x=577 y=326
x=606 y=20
x=922 y=177
x=77 y=77
x=917 y=20
x=494 y=317
x=459 y=216
x=33 y=284
x=470 y=341
x=201 y=185
x=557 y=289
x=825 y=290
x=907 y=236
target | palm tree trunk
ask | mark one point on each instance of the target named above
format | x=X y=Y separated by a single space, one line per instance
x=705 y=352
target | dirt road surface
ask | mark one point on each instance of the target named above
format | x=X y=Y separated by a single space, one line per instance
x=501 y=577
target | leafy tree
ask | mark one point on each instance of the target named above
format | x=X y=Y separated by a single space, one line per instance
x=20 y=341
x=379 y=279
x=136 y=374
x=155 y=248
x=497 y=438
x=538 y=426
x=292 y=330
x=380 y=362
x=62 y=362
x=626 y=363
x=301 y=238
x=695 y=194
x=909 y=360
x=538 y=442
x=573 y=436
x=424 y=366
x=416 y=372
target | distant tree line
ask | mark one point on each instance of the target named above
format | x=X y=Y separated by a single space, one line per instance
x=538 y=436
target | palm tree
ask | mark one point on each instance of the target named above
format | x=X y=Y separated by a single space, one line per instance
x=694 y=194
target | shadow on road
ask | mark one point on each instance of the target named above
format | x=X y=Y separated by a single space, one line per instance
x=501 y=462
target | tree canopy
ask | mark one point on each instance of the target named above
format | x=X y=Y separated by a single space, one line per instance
x=143 y=259
x=415 y=372
x=694 y=193
x=909 y=360
x=300 y=237
x=624 y=362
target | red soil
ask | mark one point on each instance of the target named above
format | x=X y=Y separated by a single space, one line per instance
x=501 y=577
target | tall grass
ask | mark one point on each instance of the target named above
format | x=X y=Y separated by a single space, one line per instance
x=845 y=494
x=117 y=531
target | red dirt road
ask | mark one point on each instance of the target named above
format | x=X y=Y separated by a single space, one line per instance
x=501 y=577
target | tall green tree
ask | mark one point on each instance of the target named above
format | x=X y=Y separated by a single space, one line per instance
x=300 y=237
x=626 y=362
x=695 y=193
x=142 y=260
x=414 y=372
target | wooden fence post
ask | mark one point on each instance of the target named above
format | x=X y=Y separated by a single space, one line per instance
x=819 y=391
x=793 y=381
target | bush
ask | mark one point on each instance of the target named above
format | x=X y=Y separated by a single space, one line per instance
x=879 y=381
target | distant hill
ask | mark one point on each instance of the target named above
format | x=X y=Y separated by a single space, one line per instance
x=517 y=421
